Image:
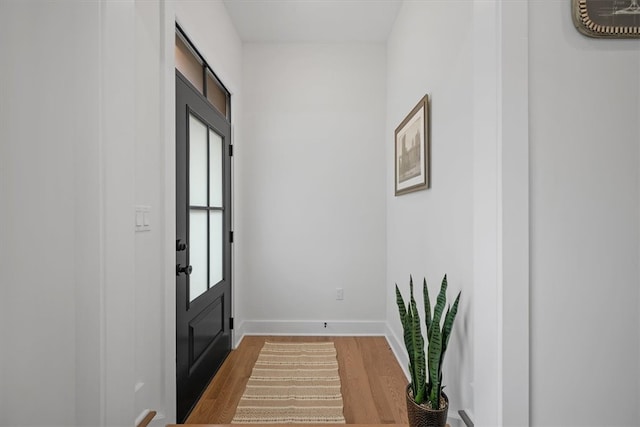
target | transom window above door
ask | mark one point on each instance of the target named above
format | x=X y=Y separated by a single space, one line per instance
x=193 y=66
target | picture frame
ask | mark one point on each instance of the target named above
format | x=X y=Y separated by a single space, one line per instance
x=412 y=150
x=607 y=18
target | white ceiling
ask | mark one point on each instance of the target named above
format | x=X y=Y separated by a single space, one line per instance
x=313 y=21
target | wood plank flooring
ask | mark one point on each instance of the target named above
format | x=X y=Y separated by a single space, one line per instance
x=372 y=382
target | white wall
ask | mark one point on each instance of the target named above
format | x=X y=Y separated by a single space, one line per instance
x=67 y=193
x=47 y=96
x=584 y=224
x=514 y=254
x=149 y=250
x=429 y=233
x=88 y=205
x=313 y=187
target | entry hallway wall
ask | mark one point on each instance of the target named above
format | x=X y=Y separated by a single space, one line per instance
x=313 y=187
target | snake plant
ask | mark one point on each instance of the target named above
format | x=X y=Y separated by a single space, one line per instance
x=426 y=372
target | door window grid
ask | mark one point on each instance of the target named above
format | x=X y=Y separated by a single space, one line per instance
x=213 y=256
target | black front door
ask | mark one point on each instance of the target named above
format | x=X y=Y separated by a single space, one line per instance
x=203 y=244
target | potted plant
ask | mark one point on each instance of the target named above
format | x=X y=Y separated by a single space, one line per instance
x=427 y=405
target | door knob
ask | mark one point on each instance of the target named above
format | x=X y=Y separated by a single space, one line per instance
x=180 y=245
x=185 y=269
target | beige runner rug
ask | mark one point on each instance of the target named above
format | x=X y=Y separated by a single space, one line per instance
x=293 y=383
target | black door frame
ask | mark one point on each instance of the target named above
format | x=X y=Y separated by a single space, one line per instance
x=213 y=309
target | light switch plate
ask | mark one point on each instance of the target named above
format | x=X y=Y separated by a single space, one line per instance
x=143 y=218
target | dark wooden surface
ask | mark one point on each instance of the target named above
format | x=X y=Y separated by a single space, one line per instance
x=372 y=382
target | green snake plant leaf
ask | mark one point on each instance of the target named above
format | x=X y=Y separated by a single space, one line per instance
x=419 y=362
x=412 y=349
x=401 y=307
x=448 y=326
x=407 y=322
x=439 y=308
x=435 y=350
x=427 y=306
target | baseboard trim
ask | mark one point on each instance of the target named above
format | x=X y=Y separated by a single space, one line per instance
x=238 y=334
x=312 y=328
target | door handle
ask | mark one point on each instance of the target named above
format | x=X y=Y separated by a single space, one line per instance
x=185 y=269
x=180 y=245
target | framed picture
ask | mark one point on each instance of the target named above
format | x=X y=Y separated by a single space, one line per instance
x=412 y=150
x=607 y=18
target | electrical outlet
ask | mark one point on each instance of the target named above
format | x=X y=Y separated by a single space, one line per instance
x=339 y=294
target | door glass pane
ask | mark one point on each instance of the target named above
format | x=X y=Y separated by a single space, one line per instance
x=215 y=245
x=188 y=64
x=197 y=253
x=216 y=95
x=197 y=162
x=215 y=172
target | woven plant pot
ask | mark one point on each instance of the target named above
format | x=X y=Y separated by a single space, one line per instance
x=420 y=416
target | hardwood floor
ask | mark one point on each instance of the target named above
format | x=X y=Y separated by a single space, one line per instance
x=372 y=382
